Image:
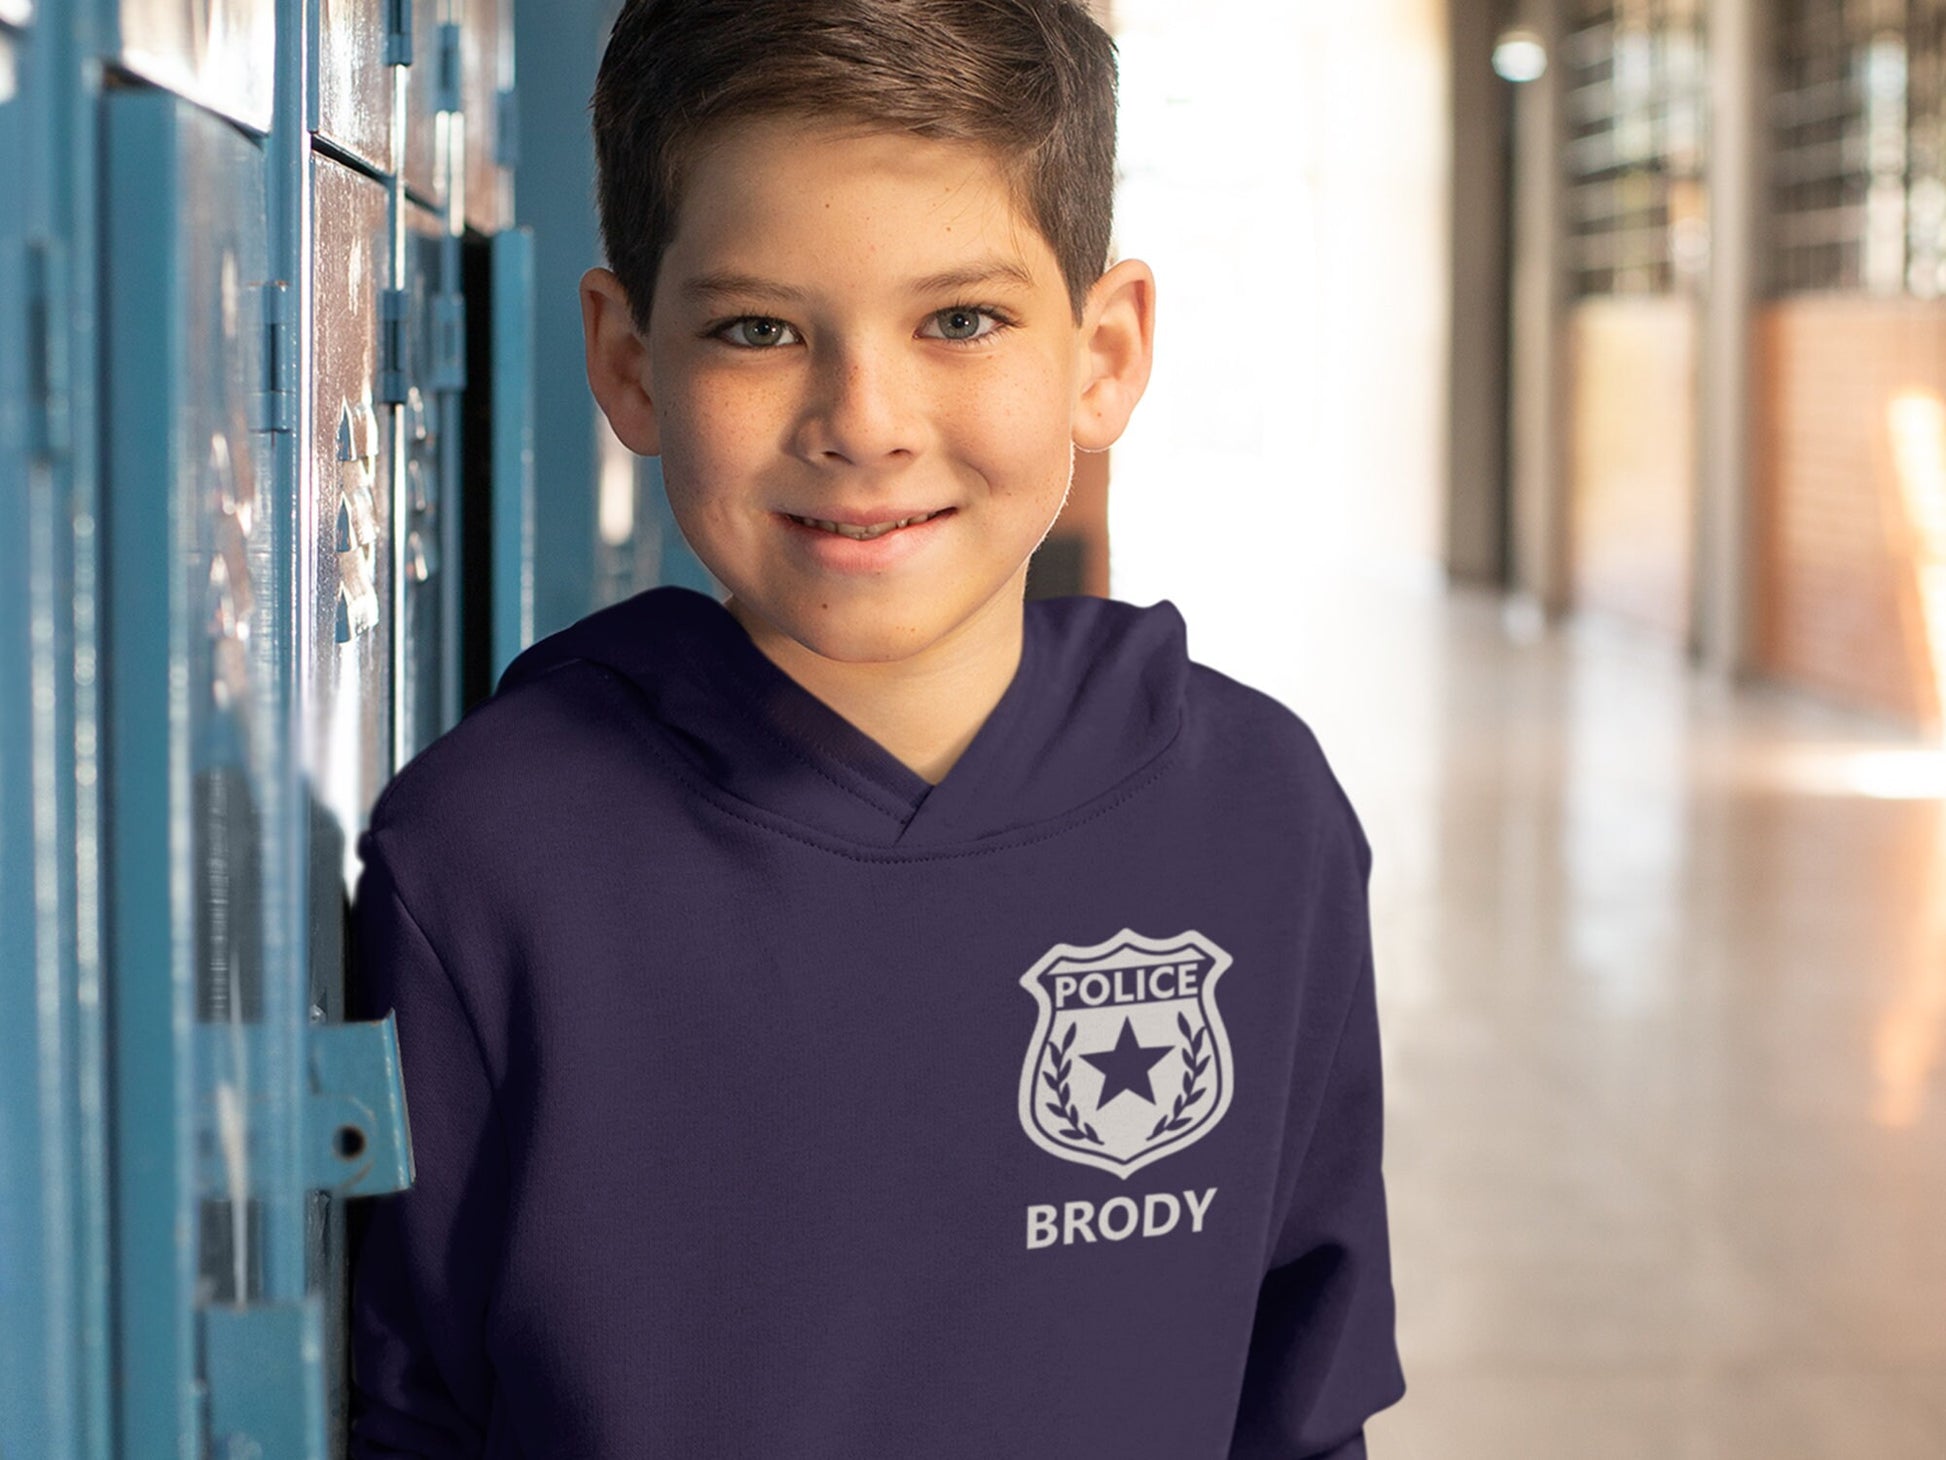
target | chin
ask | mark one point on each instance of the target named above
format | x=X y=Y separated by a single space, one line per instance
x=852 y=625
x=858 y=635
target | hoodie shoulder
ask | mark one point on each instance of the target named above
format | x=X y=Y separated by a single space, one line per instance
x=1246 y=732
x=518 y=757
x=548 y=710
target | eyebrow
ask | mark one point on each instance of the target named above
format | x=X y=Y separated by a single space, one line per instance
x=985 y=271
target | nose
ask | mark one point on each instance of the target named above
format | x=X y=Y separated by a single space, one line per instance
x=861 y=410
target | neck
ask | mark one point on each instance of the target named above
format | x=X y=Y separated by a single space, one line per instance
x=924 y=709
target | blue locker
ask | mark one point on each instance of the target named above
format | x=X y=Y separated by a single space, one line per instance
x=41 y=1376
x=186 y=506
x=24 y=1297
x=512 y=448
x=349 y=541
x=238 y=1105
x=54 y=1198
x=350 y=639
x=461 y=132
x=427 y=686
x=432 y=97
x=220 y=53
x=486 y=93
x=29 y=1391
x=183 y=506
x=352 y=42
x=230 y=607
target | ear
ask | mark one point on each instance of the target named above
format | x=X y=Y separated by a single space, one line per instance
x=1117 y=345
x=618 y=363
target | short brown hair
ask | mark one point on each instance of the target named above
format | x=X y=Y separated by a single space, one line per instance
x=1033 y=80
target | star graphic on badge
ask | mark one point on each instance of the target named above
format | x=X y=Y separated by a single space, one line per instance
x=1127 y=1066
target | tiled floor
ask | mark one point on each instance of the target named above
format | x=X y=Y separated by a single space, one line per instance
x=1663 y=1004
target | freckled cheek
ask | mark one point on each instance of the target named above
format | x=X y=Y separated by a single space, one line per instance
x=1017 y=435
x=717 y=439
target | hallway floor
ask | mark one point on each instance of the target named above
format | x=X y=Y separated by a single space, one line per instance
x=1662 y=983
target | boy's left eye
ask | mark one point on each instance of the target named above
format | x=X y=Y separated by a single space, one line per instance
x=760 y=333
x=961 y=324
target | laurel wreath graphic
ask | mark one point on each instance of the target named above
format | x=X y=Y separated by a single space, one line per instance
x=1194 y=1063
x=1057 y=1081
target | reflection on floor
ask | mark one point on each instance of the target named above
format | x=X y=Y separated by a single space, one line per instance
x=1662 y=981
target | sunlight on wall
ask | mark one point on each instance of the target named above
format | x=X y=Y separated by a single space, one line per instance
x=1917 y=419
x=1907 y=1044
x=1284 y=173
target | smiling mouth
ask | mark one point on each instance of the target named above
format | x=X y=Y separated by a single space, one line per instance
x=865 y=534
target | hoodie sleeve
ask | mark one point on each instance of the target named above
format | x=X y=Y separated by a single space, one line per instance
x=1322 y=1354
x=423 y=1271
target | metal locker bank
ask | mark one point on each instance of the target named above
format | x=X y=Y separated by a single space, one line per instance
x=266 y=455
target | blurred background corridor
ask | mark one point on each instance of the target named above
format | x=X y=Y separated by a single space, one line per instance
x=1550 y=407
x=1634 y=684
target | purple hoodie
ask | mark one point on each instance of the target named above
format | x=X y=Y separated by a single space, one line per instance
x=768 y=1101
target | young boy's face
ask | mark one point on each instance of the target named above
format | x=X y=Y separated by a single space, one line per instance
x=860 y=327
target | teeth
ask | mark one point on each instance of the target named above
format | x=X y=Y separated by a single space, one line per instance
x=862 y=534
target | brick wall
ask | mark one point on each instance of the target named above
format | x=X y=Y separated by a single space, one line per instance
x=1849 y=408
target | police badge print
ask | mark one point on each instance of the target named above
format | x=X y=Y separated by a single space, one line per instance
x=1129 y=1061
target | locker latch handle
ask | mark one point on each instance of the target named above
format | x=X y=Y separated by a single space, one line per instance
x=358 y=1140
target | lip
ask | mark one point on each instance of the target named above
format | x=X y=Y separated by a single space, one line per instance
x=852 y=555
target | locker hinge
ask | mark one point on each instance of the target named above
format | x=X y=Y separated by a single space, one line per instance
x=448 y=342
x=398 y=32
x=274 y=407
x=506 y=129
x=446 y=83
x=394 y=312
x=263 y=1364
x=48 y=379
x=355 y=1138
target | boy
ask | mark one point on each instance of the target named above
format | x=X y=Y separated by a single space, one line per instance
x=871 y=1016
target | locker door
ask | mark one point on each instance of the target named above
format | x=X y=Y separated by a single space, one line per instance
x=346 y=660
x=54 y=1327
x=512 y=404
x=487 y=72
x=432 y=95
x=221 y=1089
x=33 y=1325
x=351 y=97
x=426 y=688
x=237 y=1109
x=348 y=671
x=221 y=53
x=33 y=1328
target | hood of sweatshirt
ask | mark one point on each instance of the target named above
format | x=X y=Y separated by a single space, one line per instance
x=1096 y=700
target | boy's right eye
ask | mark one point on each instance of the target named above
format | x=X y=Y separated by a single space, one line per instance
x=754 y=332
